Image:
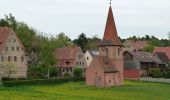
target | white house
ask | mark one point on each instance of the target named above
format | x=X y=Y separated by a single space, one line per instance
x=89 y=56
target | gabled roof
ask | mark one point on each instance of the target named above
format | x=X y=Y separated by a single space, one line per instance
x=143 y=56
x=105 y=63
x=162 y=56
x=4 y=34
x=93 y=53
x=67 y=53
x=166 y=50
x=110 y=34
x=136 y=44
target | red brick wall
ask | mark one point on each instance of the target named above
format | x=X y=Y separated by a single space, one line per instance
x=132 y=74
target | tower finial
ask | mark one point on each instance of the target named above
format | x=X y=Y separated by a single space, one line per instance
x=110 y=2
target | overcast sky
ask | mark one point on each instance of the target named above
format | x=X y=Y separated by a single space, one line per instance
x=132 y=17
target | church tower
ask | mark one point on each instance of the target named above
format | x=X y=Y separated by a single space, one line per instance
x=110 y=46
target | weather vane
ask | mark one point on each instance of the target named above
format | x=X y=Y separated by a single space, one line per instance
x=110 y=2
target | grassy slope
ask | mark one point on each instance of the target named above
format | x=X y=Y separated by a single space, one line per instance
x=78 y=91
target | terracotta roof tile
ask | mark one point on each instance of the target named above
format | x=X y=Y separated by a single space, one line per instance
x=110 y=33
x=4 y=34
x=166 y=50
x=66 y=57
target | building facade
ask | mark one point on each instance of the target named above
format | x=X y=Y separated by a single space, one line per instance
x=69 y=58
x=139 y=64
x=13 y=62
x=106 y=69
x=89 y=55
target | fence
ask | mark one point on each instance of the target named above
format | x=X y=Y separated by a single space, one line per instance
x=159 y=80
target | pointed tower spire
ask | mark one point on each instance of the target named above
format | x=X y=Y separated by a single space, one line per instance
x=110 y=33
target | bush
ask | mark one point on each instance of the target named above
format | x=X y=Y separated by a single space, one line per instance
x=40 y=81
x=167 y=74
x=78 y=72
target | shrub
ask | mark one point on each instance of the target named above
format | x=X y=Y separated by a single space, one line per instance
x=78 y=72
x=66 y=75
x=40 y=81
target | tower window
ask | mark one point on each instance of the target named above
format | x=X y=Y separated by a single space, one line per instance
x=107 y=52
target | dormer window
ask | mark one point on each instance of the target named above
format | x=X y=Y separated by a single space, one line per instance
x=67 y=62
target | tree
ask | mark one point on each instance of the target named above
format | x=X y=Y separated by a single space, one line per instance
x=82 y=41
x=54 y=71
x=3 y=22
x=78 y=72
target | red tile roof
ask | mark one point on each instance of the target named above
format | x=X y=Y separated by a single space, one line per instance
x=105 y=63
x=66 y=57
x=138 y=45
x=4 y=34
x=166 y=50
x=110 y=33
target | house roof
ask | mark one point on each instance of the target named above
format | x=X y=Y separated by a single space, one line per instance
x=66 y=53
x=66 y=63
x=162 y=56
x=4 y=34
x=105 y=63
x=110 y=34
x=136 y=44
x=93 y=53
x=66 y=57
x=166 y=50
x=143 y=56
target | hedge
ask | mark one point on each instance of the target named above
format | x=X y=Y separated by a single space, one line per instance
x=40 y=81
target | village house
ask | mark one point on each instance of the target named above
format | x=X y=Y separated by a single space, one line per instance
x=163 y=53
x=106 y=69
x=139 y=63
x=69 y=58
x=12 y=55
x=132 y=45
x=89 y=55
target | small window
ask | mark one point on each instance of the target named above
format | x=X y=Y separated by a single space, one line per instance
x=17 y=48
x=15 y=58
x=2 y=58
x=77 y=63
x=12 y=48
x=9 y=58
x=67 y=69
x=6 y=48
x=14 y=40
x=22 y=58
x=71 y=69
x=63 y=69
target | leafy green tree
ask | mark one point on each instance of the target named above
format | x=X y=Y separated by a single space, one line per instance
x=3 y=22
x=54 y=71
x=78 y=72
x=82 y=41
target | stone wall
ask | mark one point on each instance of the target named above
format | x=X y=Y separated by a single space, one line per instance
x=159 y=80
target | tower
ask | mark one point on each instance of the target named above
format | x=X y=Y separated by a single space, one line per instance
x=110 y=46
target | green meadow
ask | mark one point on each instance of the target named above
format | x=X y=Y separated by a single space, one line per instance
x=133 y=90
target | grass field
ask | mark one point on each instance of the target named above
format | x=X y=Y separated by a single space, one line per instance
x=133 y=90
